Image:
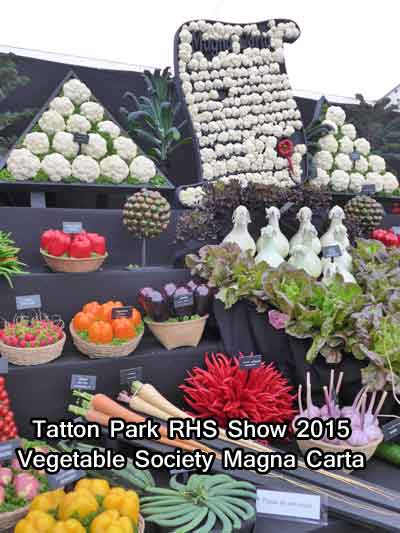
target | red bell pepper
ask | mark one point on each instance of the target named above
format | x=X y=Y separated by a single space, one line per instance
x=46 y=237
x=58 y=245
x=98 y=243
x=81 y=247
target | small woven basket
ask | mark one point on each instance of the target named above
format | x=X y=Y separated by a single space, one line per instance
x=99 y=351
x=368 y=450
x=177 y=334
x=32 y=356
x=73 y=264
x=10 y=520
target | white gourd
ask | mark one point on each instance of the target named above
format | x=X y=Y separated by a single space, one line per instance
x=304 y=216
x=273 y=215
x=239 y=233
x=336 y=216
x=303 y=256
x=268 y=250
x=340 y=238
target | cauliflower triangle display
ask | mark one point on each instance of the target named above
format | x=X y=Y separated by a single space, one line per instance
x=237 y=92
x=75 y=139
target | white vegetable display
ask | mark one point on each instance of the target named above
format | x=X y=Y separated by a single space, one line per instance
x=142 y=168
x=240 y=233
x=76 y=138
x=240 y=100
x=22 y=164
x=56 y=167
x=345 y=162
x=37 y=142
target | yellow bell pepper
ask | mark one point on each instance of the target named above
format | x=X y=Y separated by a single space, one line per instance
x=48 y=501
x=111 y=522
x=80 y=502
x=36 y=522
x=69 y=526
x=98 y=487
x=124 y=501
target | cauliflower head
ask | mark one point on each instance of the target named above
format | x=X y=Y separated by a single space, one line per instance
x=377 y=163
x=51 y=122
x=22 y=164
x=63 y=106
x=324 y=160
x=362 y=146
x=78 y=124
x=37 y=142
x=361 y=165
x=92 y=111
x=56 y=167
x=339 y=181
x=357 y=181
x=336 y=114
x=85 y=168
x=343 y=162
x=321 y=180
x=328 y=143
x=96 y=147
x=76 y=91
x=125 y=148
x=114 y=167
x=374 y=178
x=63 y=143
x=390 y=182
x=349 y=131
x=142 y=168
x=107 y=126
x=191 y=196
x=346 y=145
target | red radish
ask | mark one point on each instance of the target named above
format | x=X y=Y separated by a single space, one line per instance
x=26 y=486
x=22 y=344
x=5 y=475
x=15 y=465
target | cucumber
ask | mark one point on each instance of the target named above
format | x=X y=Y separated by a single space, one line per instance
x=390 y=452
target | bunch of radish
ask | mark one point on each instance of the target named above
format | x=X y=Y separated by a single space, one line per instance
x=364 y=420
x=31 y=333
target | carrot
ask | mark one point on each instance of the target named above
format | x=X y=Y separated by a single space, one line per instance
x=91 y=415
x=150 y=394
x=137 y=404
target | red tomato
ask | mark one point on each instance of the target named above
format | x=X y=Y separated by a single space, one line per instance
x=391 y=239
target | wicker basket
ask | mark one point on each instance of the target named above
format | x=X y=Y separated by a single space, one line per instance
x=177 y=334
x=368 y=450
x=72 y=264
x=32 y=356
x=10 y=520
x=100 y=351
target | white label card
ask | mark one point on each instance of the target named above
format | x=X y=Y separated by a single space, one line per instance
x=289 y=504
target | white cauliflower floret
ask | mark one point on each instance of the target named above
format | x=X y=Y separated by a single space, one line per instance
x=85 y=168
x=125 y=148
x=22 y=164
x=336 y=114
x=328 y=143
x=377 y=163
x=361 y=165
x=96 y=147
x=321 y=180
x=300 y=149
x=92 y=111
x=56 y=167
x=142 y=168
x=362 y=146
x=349 y=131
x=346 y=145
x=357 y=181
x=37 y=142
x=63 y=105
x=390 y=182
x=64 y=144
x=51 y=122
x=343 y=162
x=191 y=196
x=324 y=160
x=339 y=181
x=107 y=126
x=76 y=91
x=376 y=179
x=78 y=124
x=114 y=167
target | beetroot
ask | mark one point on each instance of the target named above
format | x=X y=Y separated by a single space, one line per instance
x=26 y=486
x=5 y=475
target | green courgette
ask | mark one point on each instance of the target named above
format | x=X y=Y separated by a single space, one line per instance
x=390 y=452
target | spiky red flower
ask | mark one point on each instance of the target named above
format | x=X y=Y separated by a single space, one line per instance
x=224 y=391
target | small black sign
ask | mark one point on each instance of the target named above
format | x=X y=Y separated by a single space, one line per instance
x=396 y=230
x=183 y=300
x=391 y=430
x=127 y=375
x=64 y=477
x=81 y=138
x=368 y=189
x=250 y=361
x=121 y=312
x=81 y=382
x=286 y=207
x=30 y=301
x=7 y=449
x=355 y=156
x=3 y=365
x=331 y=251
x=72 y=227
